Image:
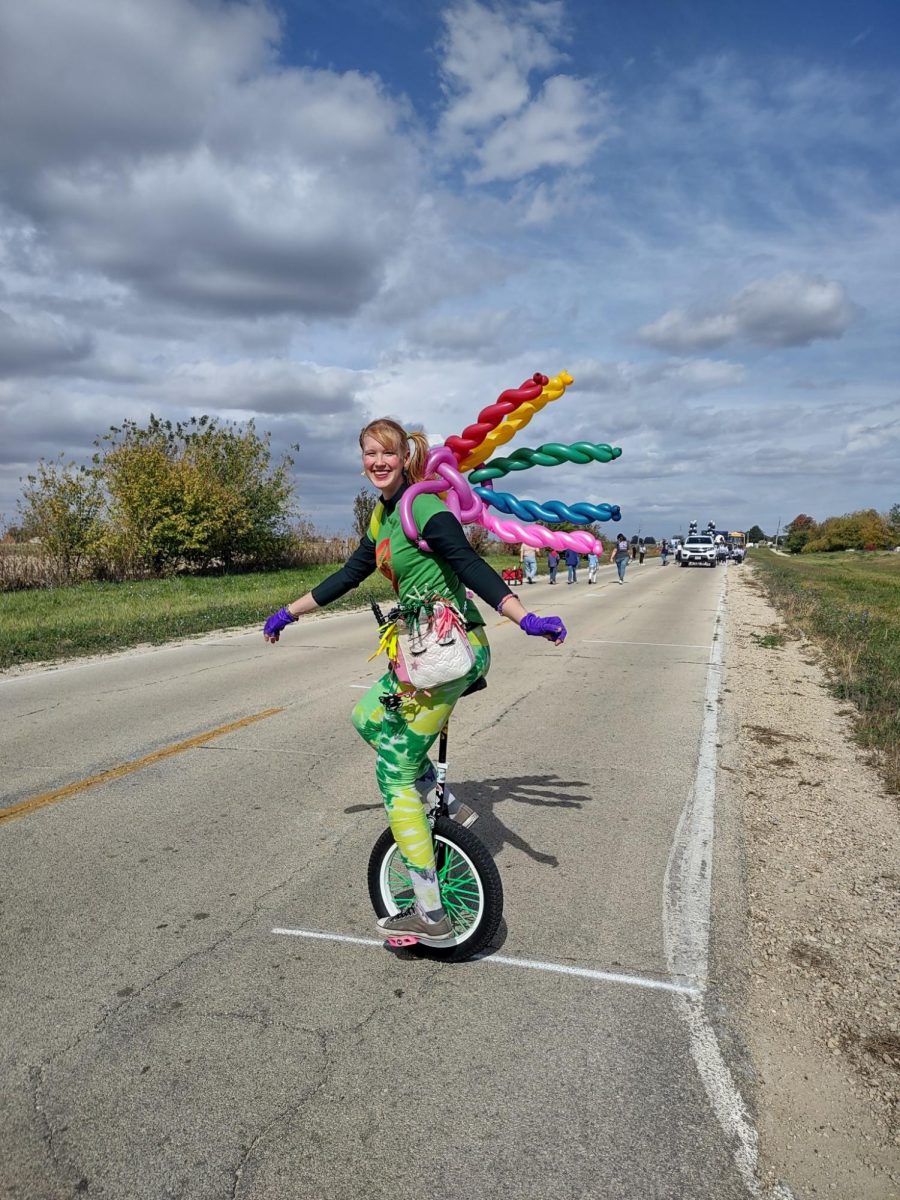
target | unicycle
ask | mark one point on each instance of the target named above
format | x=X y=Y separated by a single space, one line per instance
x=471 y=889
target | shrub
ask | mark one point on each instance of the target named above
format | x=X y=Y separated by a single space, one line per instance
x=62 y=506
x=197 y=494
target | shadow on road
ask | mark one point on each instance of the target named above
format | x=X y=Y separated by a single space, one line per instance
x=538 y=791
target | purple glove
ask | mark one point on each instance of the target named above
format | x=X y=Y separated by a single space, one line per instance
x=550 y=628
x=273 y=627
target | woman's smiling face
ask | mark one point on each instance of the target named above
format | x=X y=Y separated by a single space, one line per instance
x=383 y=467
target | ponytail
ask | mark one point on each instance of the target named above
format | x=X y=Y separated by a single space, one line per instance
x=418 y=452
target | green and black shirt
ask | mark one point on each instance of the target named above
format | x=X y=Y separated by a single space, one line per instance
x=416 y=575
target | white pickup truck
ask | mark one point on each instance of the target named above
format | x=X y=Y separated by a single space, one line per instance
x=699 y=548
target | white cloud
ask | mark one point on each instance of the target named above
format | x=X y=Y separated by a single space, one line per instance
x=264 y=386
x=175 y=158
x=878 y=436
x=677 y=377
x=792 y=310
x=488 y=55
x=93 y=81
x=494 y=115
x=789 y=309
x=560 y=128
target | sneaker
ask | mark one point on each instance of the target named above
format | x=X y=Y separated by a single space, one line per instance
x=621 y=581
x=410 y=923
x=464 y=815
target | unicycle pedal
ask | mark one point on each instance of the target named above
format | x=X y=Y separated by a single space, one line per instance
x=399 y=940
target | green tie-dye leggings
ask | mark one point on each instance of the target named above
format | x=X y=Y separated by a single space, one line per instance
x=402 y=747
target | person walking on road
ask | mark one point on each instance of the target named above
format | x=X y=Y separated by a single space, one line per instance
x=593 y=564
x=642 y=550
x=572 y=559
x=528 y=559
x=634 y=549
x=620 y=556
x=664 y=551
x=552 y=564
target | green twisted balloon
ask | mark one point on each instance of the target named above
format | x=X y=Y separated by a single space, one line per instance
x=551 y=454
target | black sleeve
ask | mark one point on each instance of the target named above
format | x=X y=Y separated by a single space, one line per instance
x=359 y=566
x=445 y=536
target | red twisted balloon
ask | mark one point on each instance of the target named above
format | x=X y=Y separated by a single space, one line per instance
x=489 y=418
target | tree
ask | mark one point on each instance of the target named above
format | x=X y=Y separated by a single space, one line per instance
x=798 y=533
x=864 y=530
x=193 y=494
x=62 y=505
x=363 y=506
x=892 y=518
x=479 y=538
x=755 y=534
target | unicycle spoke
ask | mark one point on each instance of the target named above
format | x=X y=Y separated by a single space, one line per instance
x=460 y=891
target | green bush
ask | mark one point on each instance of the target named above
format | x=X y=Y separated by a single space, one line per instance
x=191 y=495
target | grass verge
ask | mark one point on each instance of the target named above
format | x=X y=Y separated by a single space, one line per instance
x=45 y=624
x=849 y=604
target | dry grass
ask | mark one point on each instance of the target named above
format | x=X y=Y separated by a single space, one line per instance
x=849 y=606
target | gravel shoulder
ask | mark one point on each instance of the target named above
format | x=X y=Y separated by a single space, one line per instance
x=814 y=902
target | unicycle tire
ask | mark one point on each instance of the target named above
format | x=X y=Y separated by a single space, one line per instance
x=471 y=889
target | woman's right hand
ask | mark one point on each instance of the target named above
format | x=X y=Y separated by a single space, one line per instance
x=278 y=621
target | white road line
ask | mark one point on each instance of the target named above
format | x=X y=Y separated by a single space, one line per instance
x=661 y=985
x=673 y=645
x=330 y=937
x=687 y=891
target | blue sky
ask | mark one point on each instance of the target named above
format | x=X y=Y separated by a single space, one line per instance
x=316 y=214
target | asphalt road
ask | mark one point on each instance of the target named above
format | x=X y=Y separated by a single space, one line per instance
x=160 y=1040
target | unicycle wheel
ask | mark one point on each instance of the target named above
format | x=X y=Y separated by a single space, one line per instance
x=471 y=890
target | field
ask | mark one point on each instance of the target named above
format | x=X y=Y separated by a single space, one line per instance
x=849 y=604
x=41 y=624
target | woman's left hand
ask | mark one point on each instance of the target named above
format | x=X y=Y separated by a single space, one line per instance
x=551 y=628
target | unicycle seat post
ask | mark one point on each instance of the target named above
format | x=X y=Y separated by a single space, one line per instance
x=441 y=770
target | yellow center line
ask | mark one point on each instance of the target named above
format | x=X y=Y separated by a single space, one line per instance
x=72 y=789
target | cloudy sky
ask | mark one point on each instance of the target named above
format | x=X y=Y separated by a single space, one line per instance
x=313 y=214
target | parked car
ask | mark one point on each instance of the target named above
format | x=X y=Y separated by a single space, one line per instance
x=698 y=548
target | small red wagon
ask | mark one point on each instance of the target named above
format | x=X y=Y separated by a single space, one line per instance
x=511 y=575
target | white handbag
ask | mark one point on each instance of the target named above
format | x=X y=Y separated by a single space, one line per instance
x=433 y=648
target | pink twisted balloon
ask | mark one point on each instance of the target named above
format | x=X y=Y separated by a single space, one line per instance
x=461 y=500
x=510 y=530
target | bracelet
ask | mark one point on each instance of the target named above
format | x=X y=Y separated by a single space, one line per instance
x=508 y=596
x=290 y=614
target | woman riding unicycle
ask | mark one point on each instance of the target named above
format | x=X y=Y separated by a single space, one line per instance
x=438 y=649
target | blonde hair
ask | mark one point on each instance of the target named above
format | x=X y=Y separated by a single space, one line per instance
x=393 y=436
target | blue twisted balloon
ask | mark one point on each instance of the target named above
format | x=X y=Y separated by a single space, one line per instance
x=553 y=511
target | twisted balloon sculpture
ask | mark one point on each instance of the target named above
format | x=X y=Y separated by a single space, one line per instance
x=497 y=424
